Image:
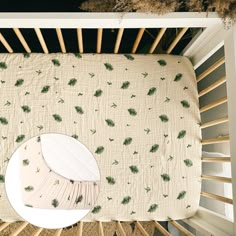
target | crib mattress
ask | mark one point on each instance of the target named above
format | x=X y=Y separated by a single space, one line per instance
x=138 y=115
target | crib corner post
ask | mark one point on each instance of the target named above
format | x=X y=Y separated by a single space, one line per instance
x=230 y=66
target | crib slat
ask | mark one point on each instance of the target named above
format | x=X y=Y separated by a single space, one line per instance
x=100 y=229
x=181 y=228
x=211 y=69
x=176 y=40
x=37 y=232
x=19 y=229
x=80 y=228
x=217 y=197
x=4 y=225
x=120 y=228
x=99 y=40
x=216 y=159
x=213 y=104
x=212 y=86
x=58 y=232
x=217 y=178
x=161 y=229
x=157 y=40
x=22 y=40
x=215 y=140
x=80 y=40
x=137 y=40
x=41 y=40
x=61 y=40
x=140 y=227
x=118 y=40
x=5 y=43
x=215 y=122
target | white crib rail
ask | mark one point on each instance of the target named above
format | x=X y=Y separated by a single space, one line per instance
x=230 y=58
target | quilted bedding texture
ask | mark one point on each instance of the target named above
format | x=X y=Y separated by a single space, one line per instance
x=137 y=114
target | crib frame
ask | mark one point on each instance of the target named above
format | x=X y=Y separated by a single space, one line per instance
x=201 y=47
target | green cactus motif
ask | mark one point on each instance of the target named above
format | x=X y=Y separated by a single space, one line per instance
x=75 y=136
x=3 y=121
x=185 y=104
x=129 y=57
x=178 y=77
x=78 y=55
x=188 y=162
x=79 y=110
x=72 y=82
x=26 y=55
x=151 y=91
x=162 y=62
x=3 y=65
x=126 y=200
x=108 y=66
x=26 y=109
x=125 y=85
x=181 y=195
x=127 y=141
x=153 y=208
x=132 y=111
x=98 y=93
x=19 y=82
x=96 y=209
x=57 y=117
x=110 y=122
x=110 y=180
x=56 y=62
x=55 y=203
x=29 y=188
x=45 y=89
x=154 y=148
x=20 y=138
x=164 y=118
x=181 y=134
x=99 y=150
x=79 y=199
x=134 y=169
x=25 y=162
x=2 y=179
x=165 y=177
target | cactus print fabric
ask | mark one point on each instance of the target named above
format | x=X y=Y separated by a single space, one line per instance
x=44 y=188
x=138 y=115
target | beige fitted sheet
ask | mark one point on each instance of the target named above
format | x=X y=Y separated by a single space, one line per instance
x=138 y=115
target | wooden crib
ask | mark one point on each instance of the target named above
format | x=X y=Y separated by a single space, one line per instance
x=211 y=48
